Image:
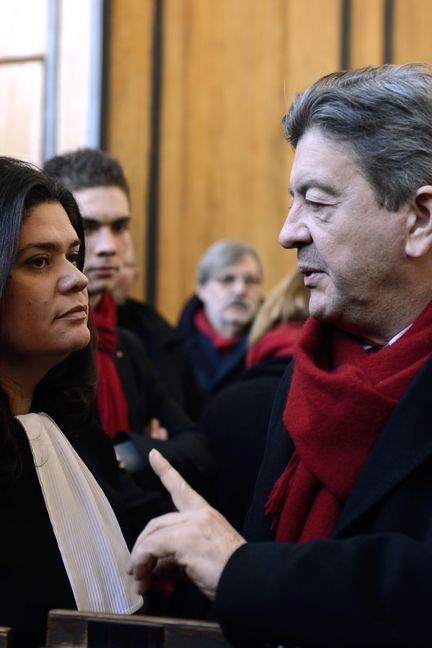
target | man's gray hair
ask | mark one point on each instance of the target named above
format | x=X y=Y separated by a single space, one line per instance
x=222 y=254
x=385 y=114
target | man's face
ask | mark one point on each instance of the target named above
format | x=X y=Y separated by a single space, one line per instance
x=231 y=297
x=350 y=250
x=106 y=217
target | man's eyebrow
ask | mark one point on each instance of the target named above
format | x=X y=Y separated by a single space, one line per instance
x=316 y=184
x=49 y=246
x=95 y=222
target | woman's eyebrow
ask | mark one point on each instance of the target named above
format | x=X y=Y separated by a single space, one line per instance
x=49 y=245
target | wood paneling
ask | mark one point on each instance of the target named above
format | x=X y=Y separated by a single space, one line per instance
x=128 y=133
x=412 y=31
x=230 y=71
x=367 y=32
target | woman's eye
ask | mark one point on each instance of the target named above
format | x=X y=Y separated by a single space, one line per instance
x=38 y=262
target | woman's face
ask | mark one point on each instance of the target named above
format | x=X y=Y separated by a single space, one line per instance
x=44 y=306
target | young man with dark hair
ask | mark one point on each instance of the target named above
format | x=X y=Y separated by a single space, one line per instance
x=133 y=403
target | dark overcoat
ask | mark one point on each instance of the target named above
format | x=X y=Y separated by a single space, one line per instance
x=370 y=584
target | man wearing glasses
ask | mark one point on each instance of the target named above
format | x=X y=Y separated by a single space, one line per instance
x=216 y=320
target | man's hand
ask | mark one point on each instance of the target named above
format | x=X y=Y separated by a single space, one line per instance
x=197 y=539
x=154 y=430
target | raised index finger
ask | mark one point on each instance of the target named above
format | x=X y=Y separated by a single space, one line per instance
x=183 y=496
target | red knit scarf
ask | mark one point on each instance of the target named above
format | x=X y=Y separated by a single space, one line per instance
x=339 y=400
x=224 y=345
x=110 y=398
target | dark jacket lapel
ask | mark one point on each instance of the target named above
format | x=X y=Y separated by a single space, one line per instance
x=404 y=444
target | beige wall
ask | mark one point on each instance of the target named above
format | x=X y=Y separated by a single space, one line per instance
x=23 y=75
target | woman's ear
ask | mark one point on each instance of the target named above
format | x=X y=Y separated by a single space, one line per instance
x=419 y=222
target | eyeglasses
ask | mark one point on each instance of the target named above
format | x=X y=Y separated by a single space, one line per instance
x=228 y=280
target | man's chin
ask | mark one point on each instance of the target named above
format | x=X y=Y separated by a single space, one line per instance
x=100 y=287
x=95 y=294
x=237 y=323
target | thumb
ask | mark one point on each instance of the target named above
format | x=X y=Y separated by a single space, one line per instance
x=183 y=496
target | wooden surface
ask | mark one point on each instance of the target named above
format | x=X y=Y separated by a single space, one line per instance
x=68 y=629
x=229 y=71
x=128 y=107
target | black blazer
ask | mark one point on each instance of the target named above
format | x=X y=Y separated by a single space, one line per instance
x=165 y=349
x=370 y=584
x=187 y=449
x=33 y=579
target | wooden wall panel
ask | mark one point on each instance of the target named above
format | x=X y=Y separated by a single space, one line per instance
x=412 y=31
x=128 y=107
x=367 y=32
x=230 y=70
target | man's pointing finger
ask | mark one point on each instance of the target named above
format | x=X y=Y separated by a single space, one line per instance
x=183 y=496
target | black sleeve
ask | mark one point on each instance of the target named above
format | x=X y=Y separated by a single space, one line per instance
x=133 y=506
x=187 y=448
x=371 y=590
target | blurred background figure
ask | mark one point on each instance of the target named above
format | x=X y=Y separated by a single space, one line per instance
x=279 y=320
x=162 y=342
x=215 y=322
x=236 y=420
x=127 y=275
x=132 y=401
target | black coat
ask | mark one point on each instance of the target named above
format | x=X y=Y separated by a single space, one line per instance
x=187 y=449
x=213 y=370
x=33 y=579
x=164 y=347
x=370 y=584
x=236 y=424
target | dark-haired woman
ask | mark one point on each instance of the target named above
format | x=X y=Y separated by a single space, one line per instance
x=60 y=542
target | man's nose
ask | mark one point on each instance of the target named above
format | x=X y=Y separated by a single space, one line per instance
x=239 y=285
x=294 y=232
x=105 y=242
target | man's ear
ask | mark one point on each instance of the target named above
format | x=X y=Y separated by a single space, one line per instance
x=419 y=221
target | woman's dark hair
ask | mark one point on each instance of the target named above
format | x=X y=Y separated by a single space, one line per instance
x=66 y=392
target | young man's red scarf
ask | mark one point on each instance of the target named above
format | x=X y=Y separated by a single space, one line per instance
x=111 y=401
x=340 y=398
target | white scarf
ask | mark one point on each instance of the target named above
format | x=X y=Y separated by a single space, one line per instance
x=94 y=552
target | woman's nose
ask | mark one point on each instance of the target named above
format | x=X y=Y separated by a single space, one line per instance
x=73 y=280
